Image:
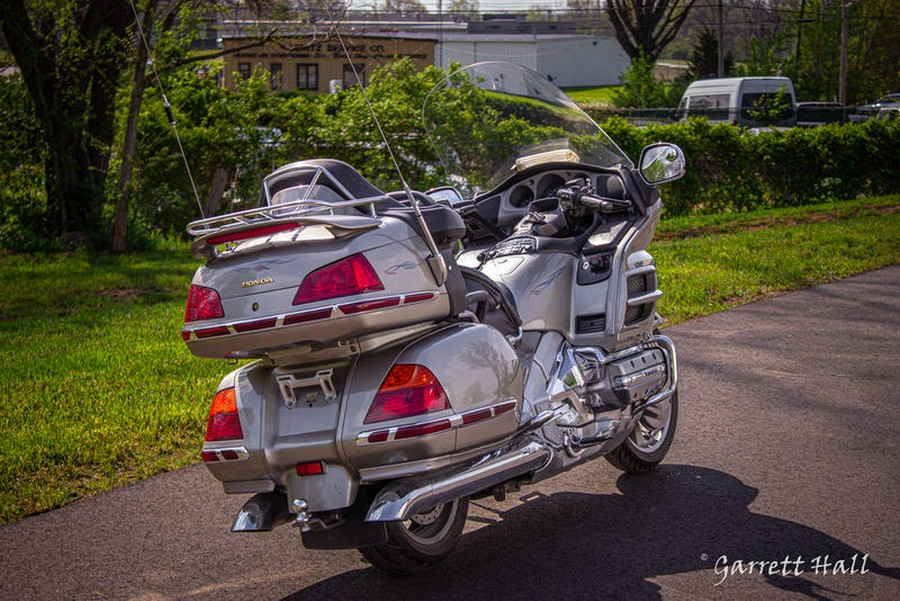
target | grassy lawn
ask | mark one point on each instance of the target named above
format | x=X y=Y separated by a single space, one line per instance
x=602 y=95
x=96 y=386
x=710 y=263
x=97 y=389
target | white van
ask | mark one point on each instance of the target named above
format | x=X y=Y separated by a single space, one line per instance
x=739 y=100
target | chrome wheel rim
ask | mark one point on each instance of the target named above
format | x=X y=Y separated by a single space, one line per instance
x=652 y=428
x=431 y=526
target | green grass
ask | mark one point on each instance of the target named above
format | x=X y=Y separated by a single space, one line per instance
x=97 y=389
x=601 y=95
x=96 y=386
x=710 y=263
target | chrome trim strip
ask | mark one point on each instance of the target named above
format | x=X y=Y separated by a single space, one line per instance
x=456 y=421
x=646 y=298
x=279 y=319
x=641 y=377
x=242 y=453
x=641 y=270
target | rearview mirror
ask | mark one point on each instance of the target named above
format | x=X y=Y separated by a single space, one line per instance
x=661 y=163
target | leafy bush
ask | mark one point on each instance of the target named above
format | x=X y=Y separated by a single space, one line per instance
x=23 y=211
x=247 y=132
x=732 y=170
x=640 y=88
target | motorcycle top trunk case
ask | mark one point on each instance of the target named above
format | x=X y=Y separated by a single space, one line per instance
x=257 y=282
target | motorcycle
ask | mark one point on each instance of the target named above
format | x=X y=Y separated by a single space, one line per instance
x=414 y=350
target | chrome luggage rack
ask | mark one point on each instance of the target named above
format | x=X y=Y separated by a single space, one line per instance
x=251 y=218
x=264 y=222
x=273 y=214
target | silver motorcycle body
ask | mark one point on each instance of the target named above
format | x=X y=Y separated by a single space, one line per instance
x=396 y=376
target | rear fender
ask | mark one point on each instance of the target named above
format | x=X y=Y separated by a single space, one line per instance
x=281 y=430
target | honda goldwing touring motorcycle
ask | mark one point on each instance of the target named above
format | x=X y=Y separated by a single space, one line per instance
x=415 y=350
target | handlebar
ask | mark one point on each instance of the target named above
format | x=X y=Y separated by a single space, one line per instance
x=576 y=193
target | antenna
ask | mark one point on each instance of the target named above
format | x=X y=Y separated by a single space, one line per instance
x=436 y=260
x=169 y=113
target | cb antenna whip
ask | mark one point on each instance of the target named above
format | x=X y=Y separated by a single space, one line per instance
x=436 y=260
x=169 y=113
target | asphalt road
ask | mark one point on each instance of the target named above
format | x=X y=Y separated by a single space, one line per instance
x=786 y=453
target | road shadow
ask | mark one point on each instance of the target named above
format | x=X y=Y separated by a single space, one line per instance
x=678 y=519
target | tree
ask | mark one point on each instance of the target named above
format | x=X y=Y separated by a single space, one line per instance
x=645 y=27
x=167 y=27
x=70 y=55
x=143 y=30
x=223 y=132
x=464 y=7
x=874 y=49
x=704 y=61
x=404 y=6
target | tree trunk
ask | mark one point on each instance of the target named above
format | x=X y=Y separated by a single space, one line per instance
x=129 y=146
x=70 y=64
x=215 y=192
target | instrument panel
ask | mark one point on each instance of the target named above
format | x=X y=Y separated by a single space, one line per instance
x=513 y=201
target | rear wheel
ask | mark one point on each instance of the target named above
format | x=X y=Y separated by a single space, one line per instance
x=650 y=440
x=420 y=542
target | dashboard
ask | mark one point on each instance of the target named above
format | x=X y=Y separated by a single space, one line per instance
x=507 y=205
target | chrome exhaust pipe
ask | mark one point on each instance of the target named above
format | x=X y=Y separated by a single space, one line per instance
x=262 y=513
x=409 y=496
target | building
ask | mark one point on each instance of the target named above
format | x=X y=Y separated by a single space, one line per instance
x=306 y=61
x=316 y=64
x=568 y=60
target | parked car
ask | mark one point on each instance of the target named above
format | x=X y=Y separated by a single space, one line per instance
x=815 y=114
x=744 y=101
x=886 y=106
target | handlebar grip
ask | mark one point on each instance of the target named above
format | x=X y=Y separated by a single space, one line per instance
x=607 y=205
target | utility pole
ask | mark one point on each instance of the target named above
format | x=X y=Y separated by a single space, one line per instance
x=845 y=39
x=721 y=66
x=800 y=22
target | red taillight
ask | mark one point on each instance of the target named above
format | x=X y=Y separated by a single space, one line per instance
x=353 y=275
x=224 y=422
x=406 y=391
x=258 y=232
x=203 y=303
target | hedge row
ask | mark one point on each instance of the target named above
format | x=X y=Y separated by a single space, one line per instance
x=730 y=169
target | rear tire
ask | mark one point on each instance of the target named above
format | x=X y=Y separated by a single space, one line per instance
x=649 y=442
x=416 y=544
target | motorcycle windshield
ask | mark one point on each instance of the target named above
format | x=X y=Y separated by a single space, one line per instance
x=491 y=120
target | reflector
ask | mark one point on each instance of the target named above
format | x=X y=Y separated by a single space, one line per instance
x=312 y=468
x=254 y=233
